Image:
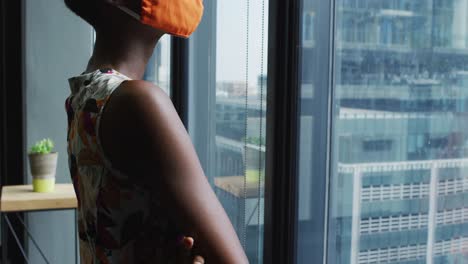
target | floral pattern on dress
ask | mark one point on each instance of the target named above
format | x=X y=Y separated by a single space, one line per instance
x=119 y=220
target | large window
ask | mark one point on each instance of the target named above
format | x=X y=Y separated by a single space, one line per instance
x=312 y=138
x=394 y=137
x=227 y=110
x=381 y=110
x=398 y=183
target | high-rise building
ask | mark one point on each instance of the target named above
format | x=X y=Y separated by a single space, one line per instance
x=400 y=183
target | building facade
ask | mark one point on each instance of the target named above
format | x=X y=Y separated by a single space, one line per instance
x=400 y=183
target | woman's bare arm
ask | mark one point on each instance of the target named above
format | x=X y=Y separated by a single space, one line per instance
x=143 y=135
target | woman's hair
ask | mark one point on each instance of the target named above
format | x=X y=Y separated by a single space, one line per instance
x=86 y=9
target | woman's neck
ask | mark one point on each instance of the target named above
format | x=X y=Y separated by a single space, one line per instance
x=126 y=53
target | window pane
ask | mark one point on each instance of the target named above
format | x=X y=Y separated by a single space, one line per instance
x=313 y=128
x=227 y=110
x=399 y=187
x=158 y=69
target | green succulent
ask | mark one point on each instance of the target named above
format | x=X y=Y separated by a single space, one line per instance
x=44 y=146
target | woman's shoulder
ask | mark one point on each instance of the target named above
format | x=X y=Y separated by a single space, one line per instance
x=136 y=113
x=139 y=99
x=140 y=89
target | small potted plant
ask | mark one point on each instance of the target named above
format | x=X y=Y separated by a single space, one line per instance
x=43 y=165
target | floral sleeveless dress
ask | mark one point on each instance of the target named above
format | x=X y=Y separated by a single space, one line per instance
x=119 y=220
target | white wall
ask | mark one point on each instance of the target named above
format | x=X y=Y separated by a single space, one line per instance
x=57 y=46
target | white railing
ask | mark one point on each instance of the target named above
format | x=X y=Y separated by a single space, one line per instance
x=394 y=192
x=452 y=186
x=456 y=245
x=394 y=254
x=393 y=223
x=402 y=165
x=454 y=216
x=374 y=115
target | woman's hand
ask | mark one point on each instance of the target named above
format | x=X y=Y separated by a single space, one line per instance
x=187 y=245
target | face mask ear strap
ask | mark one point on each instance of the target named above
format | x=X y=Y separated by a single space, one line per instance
x=129 y=12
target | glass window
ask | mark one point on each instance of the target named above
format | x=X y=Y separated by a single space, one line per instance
x=398 y=187
x=227 y=110
x=313 y=122
x=158 y=70
x=395 y=177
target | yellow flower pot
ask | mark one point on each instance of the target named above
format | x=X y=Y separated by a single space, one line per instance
x=44 y=185
x=43 y=168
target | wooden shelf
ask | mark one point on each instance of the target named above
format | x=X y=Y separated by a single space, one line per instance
x=17 y=198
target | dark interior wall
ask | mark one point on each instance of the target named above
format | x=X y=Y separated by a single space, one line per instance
x=12 y=107
x=12 y=94
x=57 y=45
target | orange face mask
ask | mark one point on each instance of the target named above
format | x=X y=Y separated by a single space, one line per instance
x=176 y=17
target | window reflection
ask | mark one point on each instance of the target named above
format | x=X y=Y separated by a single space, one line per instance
x=399 y=187
x=228 y=111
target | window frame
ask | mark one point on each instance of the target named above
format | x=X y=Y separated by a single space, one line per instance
x=281 y=197
x=179 y=84
x=321 y=107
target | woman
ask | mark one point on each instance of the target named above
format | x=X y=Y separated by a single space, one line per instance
x=138 y=180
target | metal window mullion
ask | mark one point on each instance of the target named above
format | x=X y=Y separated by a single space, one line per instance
x=281 y=197
x=332 y=111
x=179 y=78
